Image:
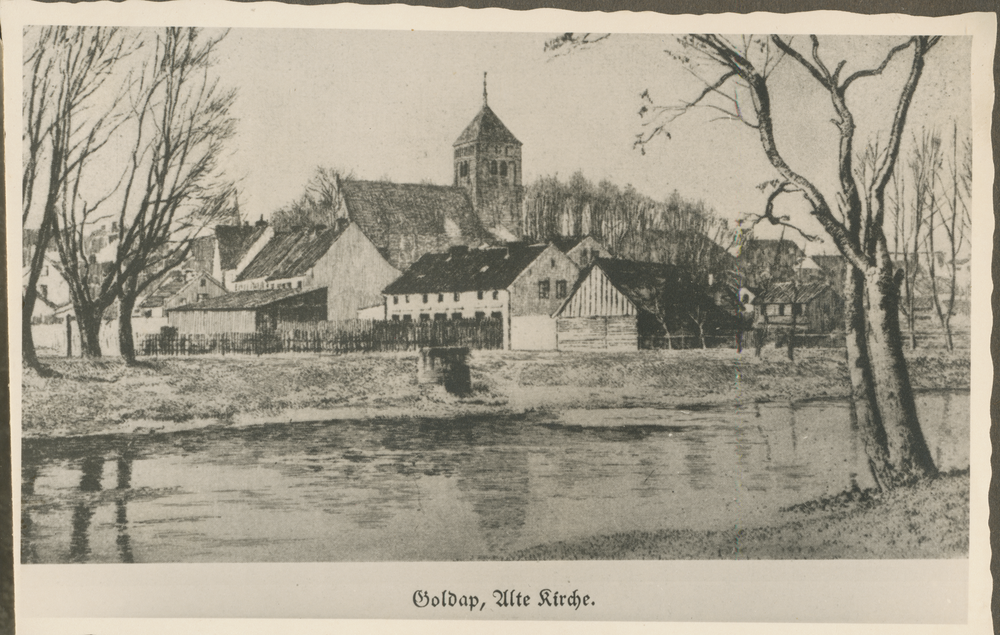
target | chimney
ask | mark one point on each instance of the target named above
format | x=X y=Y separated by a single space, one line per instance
x=261 y=222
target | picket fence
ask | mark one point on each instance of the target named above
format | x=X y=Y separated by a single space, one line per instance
x=350 y=336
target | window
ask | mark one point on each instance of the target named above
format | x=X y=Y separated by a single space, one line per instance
x=496 y=295
x=553 y=262
x=496 y=315
x=457 y=296
x=781 y=309
x=479 y=295
x=440 y=317
x=560 y=288
x=395 y=318
x=440 y=297
x=299 y=285
x=425 y=317
x=202 y=283
x=406 y=299
x=796 y=309
x=493 y=168
x=147 y=313
x=202 y=297
x=480 y=315
x=503 y=168
x=407 y=318
x=395 y=299
x=543 y=289
x=463 y=169
x=456 y=316
x=425 y=298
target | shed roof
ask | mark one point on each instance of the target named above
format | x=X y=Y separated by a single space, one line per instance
x=234 y=241
x=787 y=293
x=290 y=254
x=486 y=127
x=466 y=270
x=248 y=300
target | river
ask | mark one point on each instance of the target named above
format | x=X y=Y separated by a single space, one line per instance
x=460 y=489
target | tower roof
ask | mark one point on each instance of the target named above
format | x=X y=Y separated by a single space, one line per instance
x=486 y=127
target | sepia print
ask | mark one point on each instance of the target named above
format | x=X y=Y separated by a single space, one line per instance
x=327 y=296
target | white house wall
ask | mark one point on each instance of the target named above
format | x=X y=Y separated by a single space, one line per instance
x=532 y=333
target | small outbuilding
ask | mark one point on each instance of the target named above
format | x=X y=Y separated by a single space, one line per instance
x=250 y=311
x=815 y=307
x=626 y=305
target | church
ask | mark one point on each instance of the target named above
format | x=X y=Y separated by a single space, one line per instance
x=380 y=229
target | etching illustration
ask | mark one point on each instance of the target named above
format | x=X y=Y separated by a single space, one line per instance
x=330 y=296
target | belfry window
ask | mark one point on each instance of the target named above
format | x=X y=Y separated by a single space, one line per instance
x=463 y=168
x=503 y=168
x=493 y=168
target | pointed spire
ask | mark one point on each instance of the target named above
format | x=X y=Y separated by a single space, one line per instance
x=484 y=89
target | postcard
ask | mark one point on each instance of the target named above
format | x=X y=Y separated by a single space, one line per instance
x=408 y=317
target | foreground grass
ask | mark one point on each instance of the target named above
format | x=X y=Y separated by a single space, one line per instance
x=88 y=397
x=929 y=520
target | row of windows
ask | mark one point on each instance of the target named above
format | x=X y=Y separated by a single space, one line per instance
x=496 y=167
x=426 y=317
x=784 y=309
x=425 y=298
x=544 y=288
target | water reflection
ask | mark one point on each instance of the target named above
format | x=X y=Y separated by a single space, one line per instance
x=413 y=489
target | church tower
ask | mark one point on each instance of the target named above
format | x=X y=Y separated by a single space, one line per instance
x=488 y=166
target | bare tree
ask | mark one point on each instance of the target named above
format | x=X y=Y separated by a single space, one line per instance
x=739 y=72
x=318 y=204
x=174 y=185
x=177 y=119
x=955 y=222
x=69 y=117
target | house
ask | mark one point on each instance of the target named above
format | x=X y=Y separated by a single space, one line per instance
x=341 y=260
x=626 y=305
x=582 y=250
x=815 y=307
x=177 y=288
x=257 y=311
x=520 y=284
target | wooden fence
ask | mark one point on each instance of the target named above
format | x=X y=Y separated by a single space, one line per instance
x=349 y=336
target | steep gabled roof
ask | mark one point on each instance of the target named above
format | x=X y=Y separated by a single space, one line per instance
x=783 y=293
x=168 y=287
x=466 y=270
x=290 y=254
x=383 y=209
x=566 y=244
x=486 y=127
x=234 y=241
x=643 y=282
x=247 y=300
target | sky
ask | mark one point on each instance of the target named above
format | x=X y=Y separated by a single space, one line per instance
x=390 y=104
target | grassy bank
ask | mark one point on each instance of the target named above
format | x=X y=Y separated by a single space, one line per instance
x=929 y=520
x=105 y=396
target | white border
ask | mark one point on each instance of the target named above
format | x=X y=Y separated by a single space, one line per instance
x=103 y=578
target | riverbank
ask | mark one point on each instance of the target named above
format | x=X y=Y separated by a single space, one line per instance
x=928 y=520
x=105 y=396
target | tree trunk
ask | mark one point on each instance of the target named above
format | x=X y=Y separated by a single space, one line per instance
x=126 y=343
x=29 y=357
x=89 y=322
x=862 y=413
x=908 y=452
